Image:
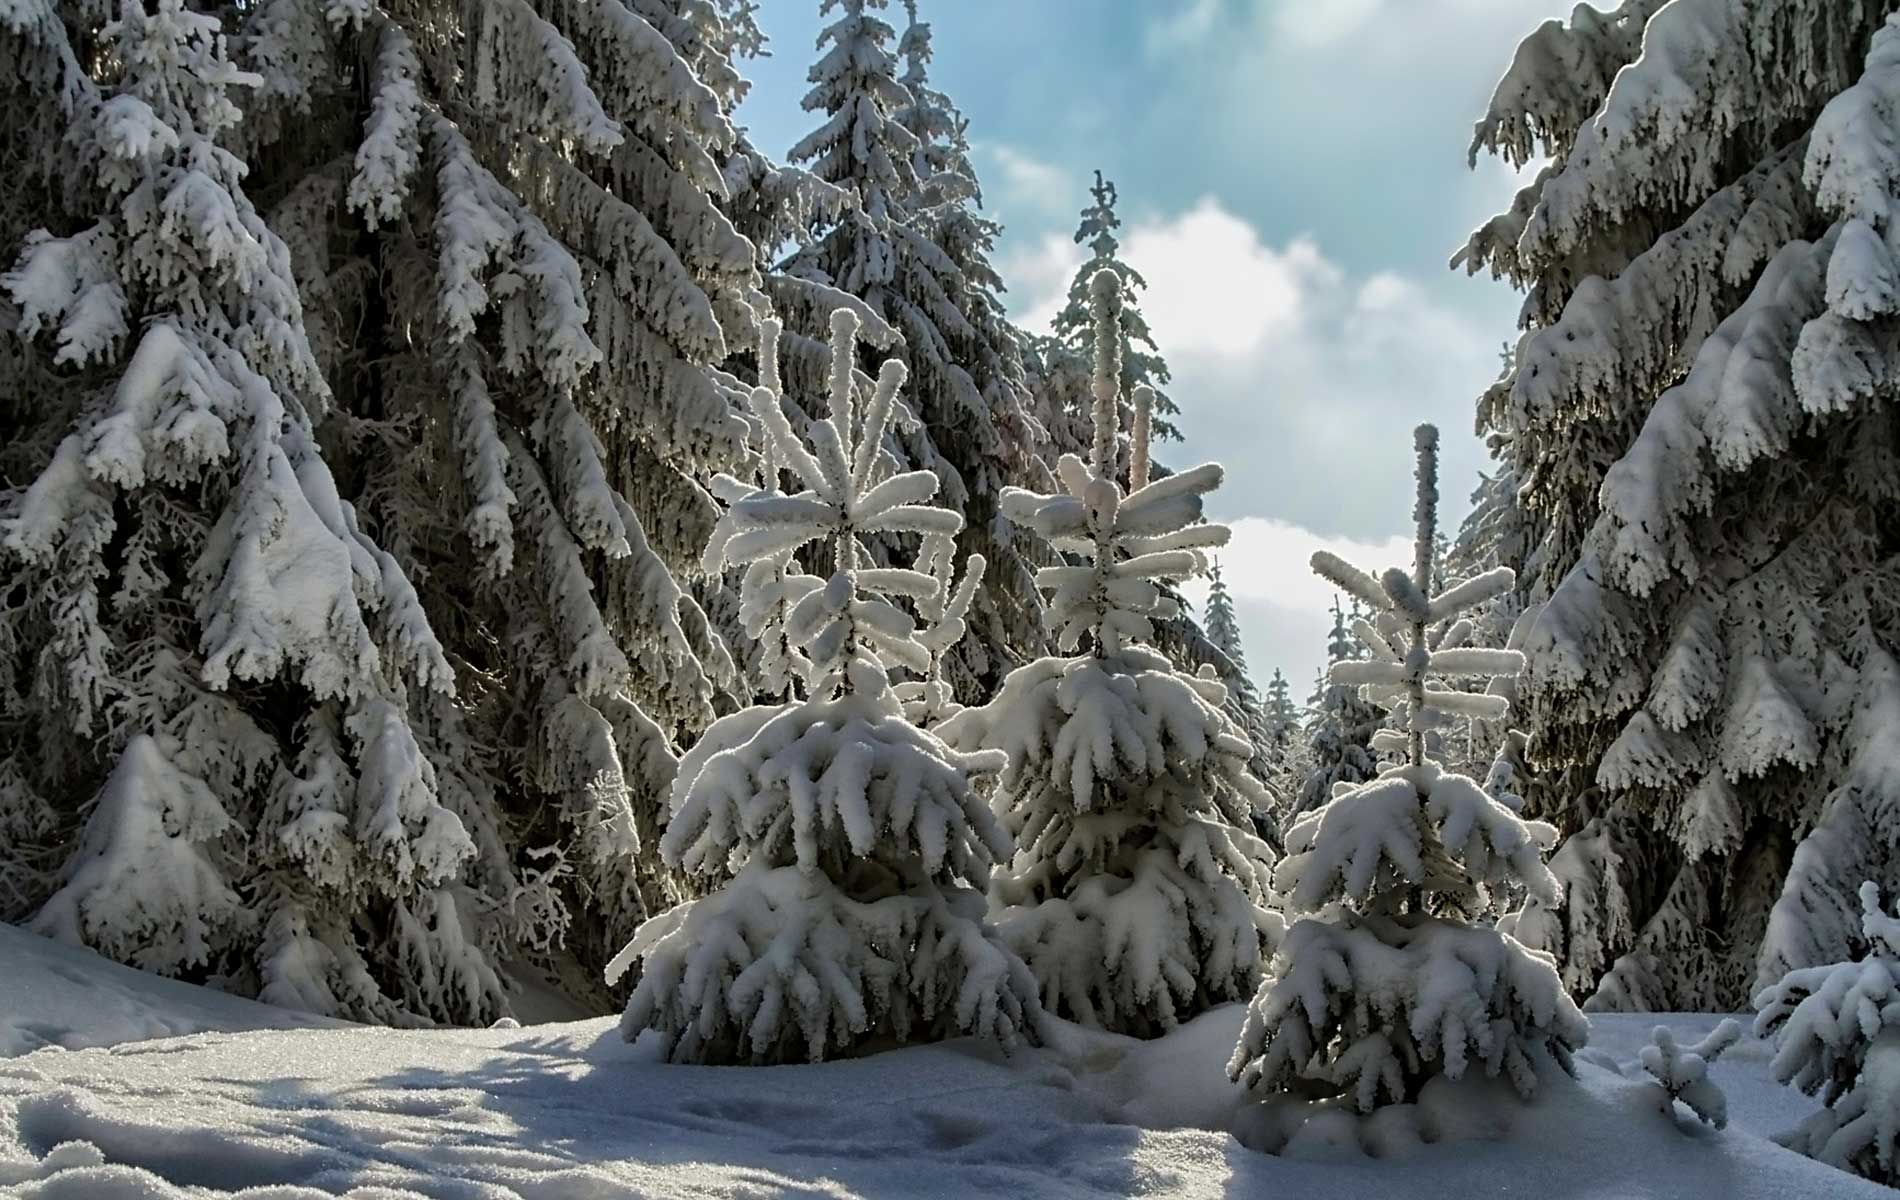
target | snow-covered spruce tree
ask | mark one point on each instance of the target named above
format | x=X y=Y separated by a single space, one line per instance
x=1074 y=324
x=1282 y=717
x=197 y=618
x=502 y=228
x=1223 y=629
x=1222 y=635
x=1339 y=732
x=1839 y=1030
x=852 y=846
x=915 y=252
x=1702 y=422
x=1386 y=982
x=1139 y=893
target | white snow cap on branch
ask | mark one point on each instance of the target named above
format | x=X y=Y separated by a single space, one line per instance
x=1683 y=1074
x=946 y=612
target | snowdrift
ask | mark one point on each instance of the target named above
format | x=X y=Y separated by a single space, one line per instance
x=123 y=1086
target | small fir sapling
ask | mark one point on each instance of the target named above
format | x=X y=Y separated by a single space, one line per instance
x=1139 y=894
x=1386 y=982
x=1340 y=731
x=851 y=847
x=1839 y=1030
x=1683 y=1074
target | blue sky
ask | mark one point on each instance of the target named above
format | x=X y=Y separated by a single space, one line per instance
x=1293 y=179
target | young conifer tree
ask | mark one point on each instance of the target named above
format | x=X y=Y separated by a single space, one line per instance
x=850 y=846
x=1074 y=324
x=1139 y=893
x=1386 y=982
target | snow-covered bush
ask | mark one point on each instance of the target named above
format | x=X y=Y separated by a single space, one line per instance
x=1385 y=982
x=1700 y=430
x=1139 y=892
x=850 y=845
x=1683 y=1074
x=1839 y=1030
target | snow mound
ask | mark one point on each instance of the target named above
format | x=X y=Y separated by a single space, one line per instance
x=53 y=994
x=226 y=1095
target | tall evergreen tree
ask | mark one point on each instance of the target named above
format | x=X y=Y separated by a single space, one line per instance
x=1701 y=422
x=1223 y=629
x=356 y=524
x=1271 y=762
x=1283 y=717
x=1073 y=324
x=914 y=252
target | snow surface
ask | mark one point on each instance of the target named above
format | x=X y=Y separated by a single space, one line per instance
x=177 y=1091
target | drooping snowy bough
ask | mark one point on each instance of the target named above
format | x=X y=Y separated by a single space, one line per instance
x=1839 y=1026
x=1139 y=894
x=1386 y=982
x=852 y=845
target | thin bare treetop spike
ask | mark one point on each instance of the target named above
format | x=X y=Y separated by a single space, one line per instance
x=844 y=352
x=1105 y=305
x=1138 y=448
x=1425 y=508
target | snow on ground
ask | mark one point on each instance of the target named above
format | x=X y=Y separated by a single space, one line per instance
x=128 y=1087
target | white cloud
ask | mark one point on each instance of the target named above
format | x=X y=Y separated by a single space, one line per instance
x=1276 y=349
x=1311 y=23
x=1214 y=287
x=1182 y=28
x=1038 y=277
x=1319 y=375
x=1269 y=560
x=1284 y=608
